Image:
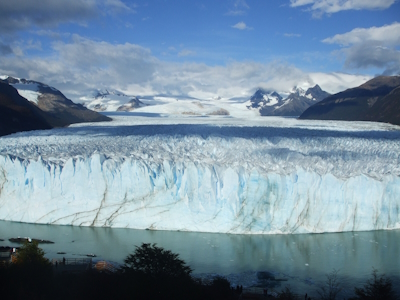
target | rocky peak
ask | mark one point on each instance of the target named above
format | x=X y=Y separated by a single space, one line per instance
x=316 y=93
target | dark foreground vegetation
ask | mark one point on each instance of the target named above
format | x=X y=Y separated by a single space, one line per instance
x=150 y=272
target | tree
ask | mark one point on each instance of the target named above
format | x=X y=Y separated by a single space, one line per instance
x=221 y=288
x=156 y=262
x=287 y=294
x=31 y=255
x=32 y=272
x=379 y=287
x=152 y=272
x=332 y=287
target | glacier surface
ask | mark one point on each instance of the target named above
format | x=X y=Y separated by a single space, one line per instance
x=262 y=176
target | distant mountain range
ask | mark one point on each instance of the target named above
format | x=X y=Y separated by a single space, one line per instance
x=272 y=104
x=31 y=105
x=39 y=106
x=111 y=100
x=376 y=100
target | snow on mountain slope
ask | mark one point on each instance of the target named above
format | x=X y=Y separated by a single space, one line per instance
x=215 y=174
x=298 y=90
x=30 y=90
x=204 y=108
x=17 y=113
x=298 y=100
x=271 y=100
x=59 y=110
x=111 y=100
x=262 y=98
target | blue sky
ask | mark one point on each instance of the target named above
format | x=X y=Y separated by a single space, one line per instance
x=201 y=49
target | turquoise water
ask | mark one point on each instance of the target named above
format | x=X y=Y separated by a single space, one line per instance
x=302 y=261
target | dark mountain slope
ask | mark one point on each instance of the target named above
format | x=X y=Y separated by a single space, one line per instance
x=17 y=113
x=375 y=100
x=388 y=109
x=60 y=111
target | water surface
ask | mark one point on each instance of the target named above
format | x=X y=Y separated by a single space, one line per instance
x=303 y=260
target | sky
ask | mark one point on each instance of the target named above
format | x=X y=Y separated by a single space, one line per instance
x=204 y=49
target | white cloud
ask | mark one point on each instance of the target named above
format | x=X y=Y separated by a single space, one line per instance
x=51 y=34
x=336 y=82
x=103 y=58
x=19 y=47
x=371 y=55
x=241 y=3
x=117 y=6
x=31 y=44
x=371 y=47
x=82 y=64
x=5 y=49
x=235 y=13
x=241 y=26
x=238 y=9
x=292 y=35
x=388 y=35
x=186 y=52
x=17 y=50
x=295 y=3
x=319 y=7
x=21 y=14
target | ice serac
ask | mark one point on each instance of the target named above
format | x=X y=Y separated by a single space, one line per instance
x=194 y=196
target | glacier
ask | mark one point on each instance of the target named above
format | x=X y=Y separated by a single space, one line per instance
x=268 y=175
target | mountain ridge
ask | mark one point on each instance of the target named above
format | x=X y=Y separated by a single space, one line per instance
x=272 y=104
x=60 y=111
x=112 y=100
x=376 y=100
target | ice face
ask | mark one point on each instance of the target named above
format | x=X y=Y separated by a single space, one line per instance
x=268 y=175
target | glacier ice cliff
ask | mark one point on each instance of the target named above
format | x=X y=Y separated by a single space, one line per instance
x=233 y=179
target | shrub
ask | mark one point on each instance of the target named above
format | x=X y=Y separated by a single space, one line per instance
x=332 y=287
x=379 y=287
x=287 y=294
x=156 y=262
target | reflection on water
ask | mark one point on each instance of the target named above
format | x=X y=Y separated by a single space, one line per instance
x=299 y=260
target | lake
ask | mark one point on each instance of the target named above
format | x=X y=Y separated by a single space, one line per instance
x=301 y=261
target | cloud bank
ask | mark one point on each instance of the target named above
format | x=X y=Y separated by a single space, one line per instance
x=371 y=47
x=320 y=7
x=21 y=14
x=82 y=64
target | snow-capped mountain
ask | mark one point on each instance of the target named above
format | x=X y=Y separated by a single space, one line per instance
x=316 y=93
x=298 y=90
x=29 y=89
x=111 y=100
x=131 y=105
x=298 y=101
x=272 y=104
x=262 y=98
